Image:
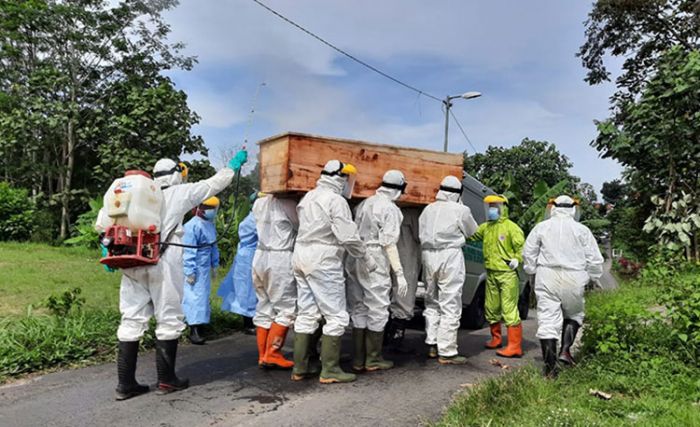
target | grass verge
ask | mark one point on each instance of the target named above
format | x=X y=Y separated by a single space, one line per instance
x=628 y=351
x=33 y=339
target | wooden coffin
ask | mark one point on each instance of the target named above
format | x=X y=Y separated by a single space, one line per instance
x=291 y=163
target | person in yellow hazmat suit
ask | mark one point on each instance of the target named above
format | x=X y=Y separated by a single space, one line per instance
x=503 y=243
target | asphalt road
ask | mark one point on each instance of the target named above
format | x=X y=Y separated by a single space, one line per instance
x=228 y=389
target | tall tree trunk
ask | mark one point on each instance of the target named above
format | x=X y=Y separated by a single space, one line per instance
x=65 y=197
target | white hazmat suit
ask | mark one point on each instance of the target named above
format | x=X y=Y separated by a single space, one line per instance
x=157 y=290
x=277 y=225
x=379 y=223
x=444 y=227
x=326 y=233
x=564 y=256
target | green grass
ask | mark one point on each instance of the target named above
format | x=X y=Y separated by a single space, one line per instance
x=33 y=339
x=650 y=384
x=31 y=272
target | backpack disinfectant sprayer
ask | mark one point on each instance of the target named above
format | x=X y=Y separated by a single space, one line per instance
x=130 y=221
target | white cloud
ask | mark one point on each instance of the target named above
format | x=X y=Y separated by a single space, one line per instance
x=520 y=54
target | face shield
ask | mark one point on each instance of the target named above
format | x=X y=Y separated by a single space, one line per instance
x=349 y=172
x=570 y=207
x=493 y=206
x=169 y=173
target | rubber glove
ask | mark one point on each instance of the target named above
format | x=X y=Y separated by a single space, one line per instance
x=238 y=160
x=392 y=253
x=105 y=252
x=191 y=279
x=513 y=264
x=402 y=285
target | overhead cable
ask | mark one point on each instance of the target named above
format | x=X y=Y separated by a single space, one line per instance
x=341 y=51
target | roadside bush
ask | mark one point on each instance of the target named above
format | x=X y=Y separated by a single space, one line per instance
x=682 y=299
x=16 y=213
x=64 y=304
x=84 y=233
x=623 y=330
x=32 y=343
x=627 y=267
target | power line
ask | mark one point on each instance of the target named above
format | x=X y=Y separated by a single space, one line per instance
x=463 y=132
x=341 y=51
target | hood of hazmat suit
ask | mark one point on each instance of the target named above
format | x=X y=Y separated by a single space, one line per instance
x=446 y=223
x=561 y=242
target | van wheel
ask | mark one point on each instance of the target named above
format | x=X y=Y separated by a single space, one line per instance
x=474 y=315
x=524 y=302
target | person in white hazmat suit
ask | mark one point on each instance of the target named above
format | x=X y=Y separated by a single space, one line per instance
x=444 y=226
x=326 y=233
x=379 y=223
x=157 y=290
x=563 y=255
x=277 y=225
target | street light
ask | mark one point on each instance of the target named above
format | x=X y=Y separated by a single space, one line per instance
x=448 y=103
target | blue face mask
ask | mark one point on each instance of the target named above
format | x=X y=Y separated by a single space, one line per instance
x=209 y=214
x=494 y=214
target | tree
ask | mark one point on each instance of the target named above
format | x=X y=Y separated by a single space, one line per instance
x=639 y=31
x=613 y=191
x=83 y=97
x=518 y=170
x=587 y=192
x=659 y=143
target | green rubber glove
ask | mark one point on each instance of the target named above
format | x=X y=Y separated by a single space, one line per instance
x=105 y=252
x=238 y=160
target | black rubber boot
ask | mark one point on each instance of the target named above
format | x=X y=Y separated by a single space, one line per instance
x=126 y=370
x=395 y=334
x=549 y=354
x=168 y=382
x=248 y=326
x=568 y=335
x=196 y=335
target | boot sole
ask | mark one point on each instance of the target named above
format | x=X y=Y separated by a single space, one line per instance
x=274 y=366
x=119 y=397
x=359 y=370
x=510 y=356
x=376 y=368
x=567 y=362
x=170 y=389
x=334 y=381
x=451 y=362
x=302 y=377
x=490 y=347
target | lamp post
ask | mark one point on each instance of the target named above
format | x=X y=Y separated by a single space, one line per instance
x=448 y=103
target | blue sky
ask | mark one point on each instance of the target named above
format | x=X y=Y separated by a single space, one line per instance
x=520 y=55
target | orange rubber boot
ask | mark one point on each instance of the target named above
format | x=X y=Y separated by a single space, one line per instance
x=275 y=341
x=515 y=339
x=261 y=334
x=496 y=340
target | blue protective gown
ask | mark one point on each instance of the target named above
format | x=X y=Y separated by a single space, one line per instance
x=237 y=289
x=195 y=302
